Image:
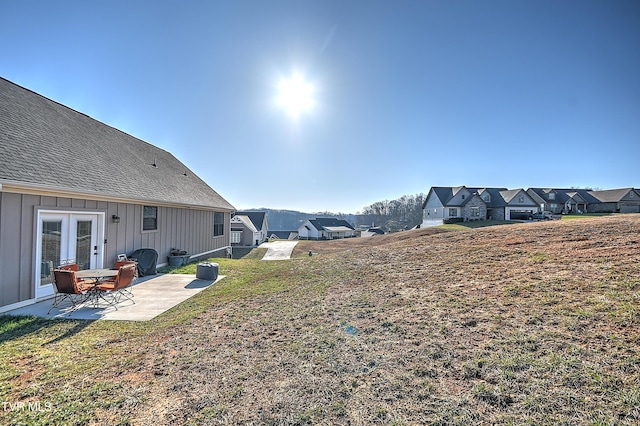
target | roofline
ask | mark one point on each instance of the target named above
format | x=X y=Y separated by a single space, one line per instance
x=17 y=187
x=84 y=114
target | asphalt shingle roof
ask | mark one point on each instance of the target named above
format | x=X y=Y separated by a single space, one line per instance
x=48 y=145
x=323 y=222
x=257 y=218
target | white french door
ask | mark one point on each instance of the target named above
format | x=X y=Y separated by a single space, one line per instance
x=66 y=237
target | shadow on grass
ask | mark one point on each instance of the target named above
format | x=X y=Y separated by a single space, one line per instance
x=249 y=253
x=12 y=327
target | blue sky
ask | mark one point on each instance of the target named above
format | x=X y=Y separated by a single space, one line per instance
x=408 y=94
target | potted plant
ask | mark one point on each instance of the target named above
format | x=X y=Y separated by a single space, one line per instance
x=178 y=257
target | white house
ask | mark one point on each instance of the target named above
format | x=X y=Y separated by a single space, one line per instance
x=249 y=228
x=325 y=228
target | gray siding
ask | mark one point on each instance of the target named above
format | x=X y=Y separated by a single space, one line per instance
x=186 y=229
x=433 y=209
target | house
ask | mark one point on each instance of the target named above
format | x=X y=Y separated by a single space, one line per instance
x=563 y=201
x=73 y=188
x=569 y=201
x=249 y=228
x=462 y=204
x=444 y=203
x=326 y=228
x=508 y=204
x=372 y=232
x=283 y=235
x=624 y=200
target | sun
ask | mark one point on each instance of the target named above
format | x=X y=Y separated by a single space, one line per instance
x=295 y=95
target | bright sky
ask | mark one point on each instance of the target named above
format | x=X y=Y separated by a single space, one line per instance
x=402 y=95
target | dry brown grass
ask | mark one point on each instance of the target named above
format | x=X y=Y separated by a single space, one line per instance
x=522 y=324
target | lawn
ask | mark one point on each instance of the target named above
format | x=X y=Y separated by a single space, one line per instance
x=534 y=323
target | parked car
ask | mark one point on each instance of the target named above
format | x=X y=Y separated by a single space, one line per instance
x=541 y=216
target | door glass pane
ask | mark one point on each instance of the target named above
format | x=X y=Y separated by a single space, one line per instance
x=83 y=244
x=50 y=239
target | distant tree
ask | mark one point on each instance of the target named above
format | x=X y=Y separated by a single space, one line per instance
x=395 y=215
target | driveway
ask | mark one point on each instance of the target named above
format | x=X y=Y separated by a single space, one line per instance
x=278 y=250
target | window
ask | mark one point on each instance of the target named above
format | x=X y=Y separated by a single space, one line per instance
x=475 y=211
x=553 y=206
x=521 y=199
x=218 y=224
x=552 y=195
x=486 y=197
x=235 y=237
x=453 y=212
x=149 y=218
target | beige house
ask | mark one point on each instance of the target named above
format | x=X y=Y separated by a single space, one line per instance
x=73 y=188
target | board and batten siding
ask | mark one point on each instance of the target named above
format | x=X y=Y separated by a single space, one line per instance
x=181 y=228
x=434 y=211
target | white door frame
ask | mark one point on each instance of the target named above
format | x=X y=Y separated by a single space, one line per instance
x=69 y=220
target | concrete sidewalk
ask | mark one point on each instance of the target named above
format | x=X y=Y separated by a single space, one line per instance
x=278 y=250
x=153 y=295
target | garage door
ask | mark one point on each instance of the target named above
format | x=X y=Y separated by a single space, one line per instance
x=512 y=213
x=629 y=209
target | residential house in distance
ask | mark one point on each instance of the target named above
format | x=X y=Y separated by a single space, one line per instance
x=249 y=228
x=624 y=200
x=371 y=232
x=569 y=201
x=325 y=228
x=507 y=204
x=461 y=203
x=75 y=189
x=283 y=235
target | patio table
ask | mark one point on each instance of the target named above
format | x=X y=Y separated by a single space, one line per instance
x=97 y=275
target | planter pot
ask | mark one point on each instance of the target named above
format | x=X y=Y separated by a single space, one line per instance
x=178 y=260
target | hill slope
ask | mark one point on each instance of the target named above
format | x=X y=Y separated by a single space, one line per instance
x=522 y=324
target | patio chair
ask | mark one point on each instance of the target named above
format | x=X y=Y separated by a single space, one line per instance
x=120 y=263
x=67 y=287
x=112 y=291
x=70 y=267
x=74 y=267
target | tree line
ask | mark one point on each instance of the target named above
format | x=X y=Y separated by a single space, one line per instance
x=393 y=215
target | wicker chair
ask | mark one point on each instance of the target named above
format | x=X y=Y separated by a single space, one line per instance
x=68 y=287
x=112 y=291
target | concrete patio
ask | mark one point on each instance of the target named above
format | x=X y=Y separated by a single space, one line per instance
x=153 y=295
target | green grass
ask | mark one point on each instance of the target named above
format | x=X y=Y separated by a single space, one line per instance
x=584 y=216
x=56 y=361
